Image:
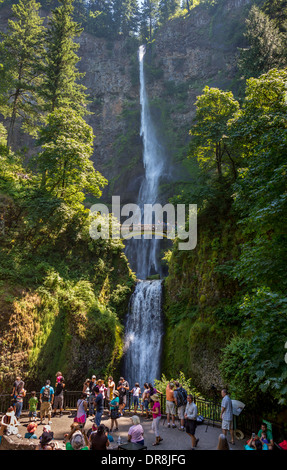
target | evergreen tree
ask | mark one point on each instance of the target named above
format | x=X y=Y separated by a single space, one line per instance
x=100 y=18
x=277 y=11
x=266 y=45
x=149 y=19
x=61 y=76
x=167 y=8
x=126 y=16
x=20 y=78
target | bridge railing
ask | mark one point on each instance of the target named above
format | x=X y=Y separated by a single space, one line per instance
x=247 y=422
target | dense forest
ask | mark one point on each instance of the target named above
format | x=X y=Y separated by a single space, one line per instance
x=225 y=302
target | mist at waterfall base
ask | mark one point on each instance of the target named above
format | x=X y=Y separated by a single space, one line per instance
x=144 y=323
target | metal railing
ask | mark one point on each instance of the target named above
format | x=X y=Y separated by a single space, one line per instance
x=210 y=410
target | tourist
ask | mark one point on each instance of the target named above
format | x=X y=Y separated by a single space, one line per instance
x=9 y=423
x=222 y=443
x=59 y=396
x=190 y=415
x=82 y=407
x=123 y=388
x=102 y=388
x=86 y=387
x=110 y=389
x=17 y=386
x=226 y=415
x=99 y=403
x=255 y=444
x=46 y=401
x=33 y=404
x=99 y=440
x=136 y=432
x=180 y=399
x=170 y=405
x=31 y=431
x=78 y=441
x=268 y=433
x=114 y=409
x=18 y=403
x=153 y=390
x=59 y=376
x=92 y=385
x=136 y=393
x=146 y=399
x=156 y=417
x=74 y=427
x=46 y=441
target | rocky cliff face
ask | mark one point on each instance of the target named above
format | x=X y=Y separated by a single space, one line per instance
x=187 y=54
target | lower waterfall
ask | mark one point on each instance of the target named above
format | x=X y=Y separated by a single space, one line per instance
x=144 y=334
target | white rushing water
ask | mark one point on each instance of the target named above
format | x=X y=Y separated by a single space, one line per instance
x=144 y=333
x=143 y=253
x=144 y=325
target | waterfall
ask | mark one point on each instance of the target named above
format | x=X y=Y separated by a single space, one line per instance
x=144 y=332
x=143 y=253
x=144 y=325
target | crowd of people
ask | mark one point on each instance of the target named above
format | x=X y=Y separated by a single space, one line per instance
x=95 y=396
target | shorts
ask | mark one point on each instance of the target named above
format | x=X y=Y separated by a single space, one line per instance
x=190 y=426
x=32 y=414
x=180 y=412
x=170 y=407
x=136 y=401
x=45 y=408
x=58 y=402
x=122 y=399
x=145 y=404
x=227 y=425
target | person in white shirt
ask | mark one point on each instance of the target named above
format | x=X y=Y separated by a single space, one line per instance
x=190 y=416
x=136 y=393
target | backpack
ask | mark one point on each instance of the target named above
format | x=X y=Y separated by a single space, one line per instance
x=181 y=397
x=46 y=393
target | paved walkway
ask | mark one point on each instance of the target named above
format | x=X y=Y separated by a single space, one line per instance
x=173 y=439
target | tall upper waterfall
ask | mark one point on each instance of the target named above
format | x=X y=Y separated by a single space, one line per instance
x=144 y=325
x=143 y=253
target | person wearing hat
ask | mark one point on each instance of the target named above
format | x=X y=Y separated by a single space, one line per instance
x=31 y=428
x=114 y=408
x=156 y=417
x=9 y=421
x=46 y=441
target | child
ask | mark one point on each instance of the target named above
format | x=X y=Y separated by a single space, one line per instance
x=59 y=376
x=33 y=403
x=264 y=441
x=136 y=393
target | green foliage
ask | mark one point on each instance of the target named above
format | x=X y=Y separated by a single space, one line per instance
x=255 y=359
x=161 y=384
x=214 y=110
x=260 y=193
x=65 y=166
x=21 y=54
x=266 y=45
x=60 y=87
